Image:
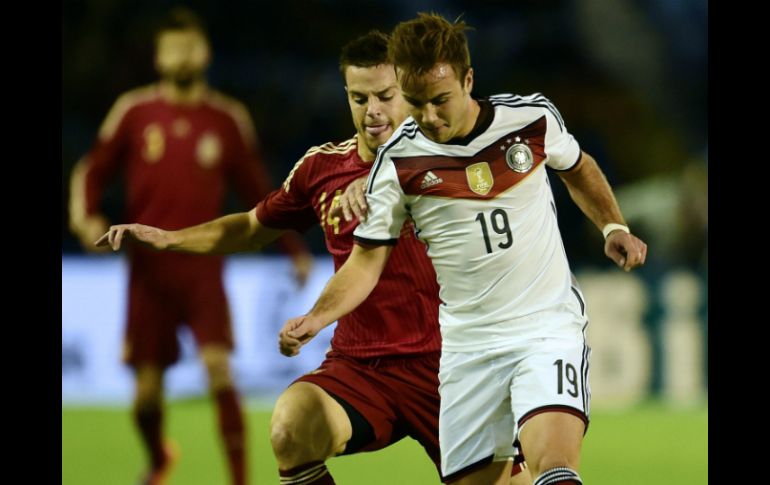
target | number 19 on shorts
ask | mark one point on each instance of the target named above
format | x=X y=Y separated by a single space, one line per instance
x=566 y=373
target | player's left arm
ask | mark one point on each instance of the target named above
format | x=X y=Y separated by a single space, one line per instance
x=590 y=190
x=347 y=289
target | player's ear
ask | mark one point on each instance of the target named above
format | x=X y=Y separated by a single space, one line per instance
x=468 y=81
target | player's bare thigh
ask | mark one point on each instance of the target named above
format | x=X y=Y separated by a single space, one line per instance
x=307 y=425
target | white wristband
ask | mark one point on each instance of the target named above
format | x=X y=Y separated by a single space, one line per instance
x=612 y=226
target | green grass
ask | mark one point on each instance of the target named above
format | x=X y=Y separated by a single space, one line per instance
x=651 y=444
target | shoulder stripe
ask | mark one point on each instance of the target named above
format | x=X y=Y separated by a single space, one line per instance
x=547 y=106
x=331 y=147
x=237 y=111
x=122 y=105
x=406 y=132
x=536 y=97
x=327 y=148
x=532 y=97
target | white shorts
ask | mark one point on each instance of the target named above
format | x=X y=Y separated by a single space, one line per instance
x=486 y=396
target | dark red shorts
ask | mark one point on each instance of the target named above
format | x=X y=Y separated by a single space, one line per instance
x=398 y=396
x=156 y=309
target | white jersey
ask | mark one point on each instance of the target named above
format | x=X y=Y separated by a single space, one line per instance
x=484 y=207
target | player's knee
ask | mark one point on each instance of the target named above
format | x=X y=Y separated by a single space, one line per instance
x=147 y=399
x=288 y=446
x=299 y=433
x=217 y=363
x=281 y=438
x=148 y=391
x=220 y=378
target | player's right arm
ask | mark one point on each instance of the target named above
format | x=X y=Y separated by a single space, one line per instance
x=347 y=289
x=225 y=235
x=92 y=173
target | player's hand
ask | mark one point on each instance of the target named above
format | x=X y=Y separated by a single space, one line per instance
x=296 y=332
x=352 y=201
x=626 y=250
x=151 y=236
x=303 y=265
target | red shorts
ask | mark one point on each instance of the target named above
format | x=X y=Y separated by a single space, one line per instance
x=158 y=306
x=397 y=395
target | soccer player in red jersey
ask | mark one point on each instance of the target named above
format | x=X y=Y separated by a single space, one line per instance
x=179 y=144
x=379 y=382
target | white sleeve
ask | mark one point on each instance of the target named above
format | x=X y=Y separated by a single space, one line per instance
x=561 y=147
x=387 y=206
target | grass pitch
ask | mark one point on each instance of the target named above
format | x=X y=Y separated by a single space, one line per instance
x=649 y=444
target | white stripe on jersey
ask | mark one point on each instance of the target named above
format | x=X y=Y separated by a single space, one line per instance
x=536 y=99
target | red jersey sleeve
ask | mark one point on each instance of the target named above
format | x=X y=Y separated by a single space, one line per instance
x=100 y=165
x=291 y=206
x=246 y=169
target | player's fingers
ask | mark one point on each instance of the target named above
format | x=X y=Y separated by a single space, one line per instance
x=301 y=333
x=118 y=238
x=287 y=351
x=636 y=256
x=362 y=207
x=356 y=211
x=295 y=333
x=615 y=255
x=288 y=340
x=361 y=199
x=345 y=206
x=102 y=241
x=360 y=210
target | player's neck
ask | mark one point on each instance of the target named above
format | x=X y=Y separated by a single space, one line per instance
x=175 y=94
x=366 y=155
x=474 y=109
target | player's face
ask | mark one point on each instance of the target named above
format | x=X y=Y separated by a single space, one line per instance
x=375 y=103
x=440 y=103
x=182 y=56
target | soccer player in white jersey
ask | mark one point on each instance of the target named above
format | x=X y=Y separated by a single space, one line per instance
x=471 y=174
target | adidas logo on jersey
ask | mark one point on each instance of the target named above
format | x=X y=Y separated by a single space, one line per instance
x=430 y=180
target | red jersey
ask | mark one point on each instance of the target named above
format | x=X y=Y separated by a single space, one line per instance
x=400 y=316
x=177 y=160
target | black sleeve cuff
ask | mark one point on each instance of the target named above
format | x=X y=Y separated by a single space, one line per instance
x=573 y=166
x=374 y=242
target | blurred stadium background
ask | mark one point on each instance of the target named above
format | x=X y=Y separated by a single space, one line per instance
x=629 y=77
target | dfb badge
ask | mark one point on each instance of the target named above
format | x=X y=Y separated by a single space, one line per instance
x=519 y=158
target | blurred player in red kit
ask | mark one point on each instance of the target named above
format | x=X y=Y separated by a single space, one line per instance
x=178 y=143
